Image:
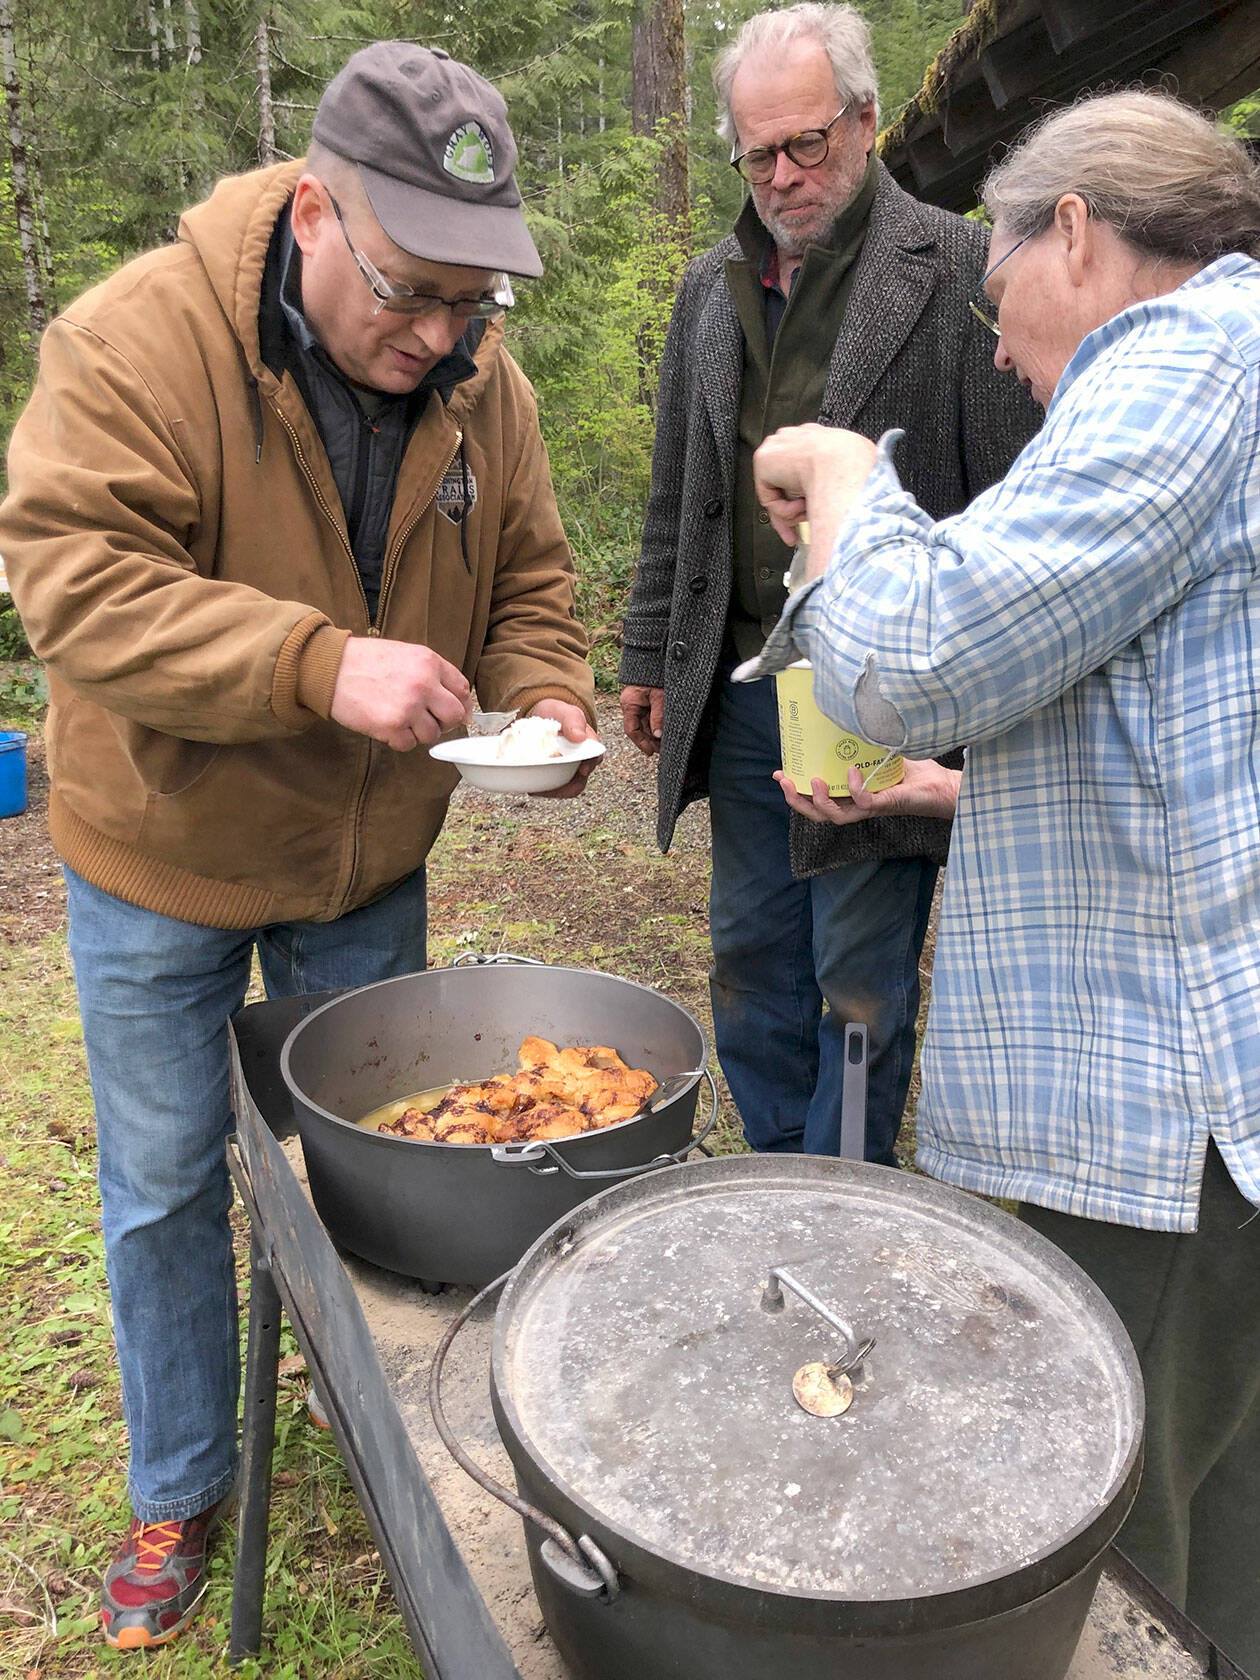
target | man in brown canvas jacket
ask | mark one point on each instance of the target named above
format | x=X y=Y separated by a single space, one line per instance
x=278 y=502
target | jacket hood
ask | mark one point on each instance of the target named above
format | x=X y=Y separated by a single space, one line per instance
x=231 y=231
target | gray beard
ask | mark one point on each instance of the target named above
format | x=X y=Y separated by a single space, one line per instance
x=792 y=243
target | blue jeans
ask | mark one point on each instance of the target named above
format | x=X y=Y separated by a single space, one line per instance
x=155 y=995
x=849 y=938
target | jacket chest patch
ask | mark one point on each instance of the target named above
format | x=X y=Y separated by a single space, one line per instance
x=457 y=494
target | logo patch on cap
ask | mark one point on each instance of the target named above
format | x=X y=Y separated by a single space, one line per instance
x=469 y=155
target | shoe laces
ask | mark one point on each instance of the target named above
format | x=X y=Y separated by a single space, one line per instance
x=154 y=1544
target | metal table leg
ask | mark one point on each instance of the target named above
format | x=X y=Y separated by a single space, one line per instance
x=257 y=1442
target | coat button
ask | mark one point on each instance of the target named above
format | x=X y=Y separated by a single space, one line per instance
x=763 y=518
x=764 y=573
x=678 y=650
x=713 y=508
x=697 y=585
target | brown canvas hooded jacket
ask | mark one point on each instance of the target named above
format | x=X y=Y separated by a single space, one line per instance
x=177 y=550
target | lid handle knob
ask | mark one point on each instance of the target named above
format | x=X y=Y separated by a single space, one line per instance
x=849 y=1366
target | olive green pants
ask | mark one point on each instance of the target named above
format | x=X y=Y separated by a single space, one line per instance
x=1191 y=1304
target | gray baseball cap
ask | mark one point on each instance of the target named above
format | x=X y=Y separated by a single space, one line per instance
x=435 y=154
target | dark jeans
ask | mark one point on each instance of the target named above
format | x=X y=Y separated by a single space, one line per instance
x=782 y=948
x=1191 y=1303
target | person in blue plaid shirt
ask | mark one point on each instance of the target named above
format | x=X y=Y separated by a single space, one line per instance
x=1091 y=628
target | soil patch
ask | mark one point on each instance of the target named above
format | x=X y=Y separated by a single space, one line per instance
x=32 y=893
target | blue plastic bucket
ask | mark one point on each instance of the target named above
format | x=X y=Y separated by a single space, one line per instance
x=12 y=772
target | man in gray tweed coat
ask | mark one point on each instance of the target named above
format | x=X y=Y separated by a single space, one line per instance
x=841 y=299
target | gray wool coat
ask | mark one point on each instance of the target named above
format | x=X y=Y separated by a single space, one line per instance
x=909 y=354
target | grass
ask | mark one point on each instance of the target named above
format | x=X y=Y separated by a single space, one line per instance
x=23 y=695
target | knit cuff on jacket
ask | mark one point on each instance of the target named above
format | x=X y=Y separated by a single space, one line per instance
x=641 y=668
x=643 y=643
x=306 y=671
x=817 y=848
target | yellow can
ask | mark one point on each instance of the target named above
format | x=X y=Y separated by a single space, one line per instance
x=814 y=746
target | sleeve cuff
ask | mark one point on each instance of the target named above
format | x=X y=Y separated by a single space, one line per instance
x=781 y=649
x=643 y=670
x=317 y=659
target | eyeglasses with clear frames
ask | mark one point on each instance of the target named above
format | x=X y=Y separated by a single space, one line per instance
x=403 y=300
x=980 y=304
x=806 y=149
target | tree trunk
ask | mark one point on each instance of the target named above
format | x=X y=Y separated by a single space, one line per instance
x=192 y=30
x=658 y=95
x=168 y=31
x=39 y=301
x=266 y=110
x=196 y=95
x=39 y=209
x=155 y=50
x=658 y=106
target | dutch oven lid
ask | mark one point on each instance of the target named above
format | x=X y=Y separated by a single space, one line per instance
x=644 y=1364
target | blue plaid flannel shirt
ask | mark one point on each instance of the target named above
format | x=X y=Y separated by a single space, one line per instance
x=1091 y=628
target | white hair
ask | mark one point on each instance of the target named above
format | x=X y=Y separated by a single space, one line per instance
x=840 y=31
x=1161 y=175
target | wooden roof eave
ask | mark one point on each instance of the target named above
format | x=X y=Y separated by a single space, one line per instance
x=1013 y=58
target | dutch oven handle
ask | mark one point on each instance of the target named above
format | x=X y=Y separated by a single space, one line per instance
x=533 y=1154
x=578 y=1564
x=486 y=959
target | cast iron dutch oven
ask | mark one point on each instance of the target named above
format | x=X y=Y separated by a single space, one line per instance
x=939 y=1513
x=463 y=1213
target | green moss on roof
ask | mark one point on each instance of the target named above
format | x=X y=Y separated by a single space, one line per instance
x=983 y=24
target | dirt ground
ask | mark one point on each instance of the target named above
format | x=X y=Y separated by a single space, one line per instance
x=32 y=896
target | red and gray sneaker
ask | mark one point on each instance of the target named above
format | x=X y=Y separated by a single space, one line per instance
x=152 y=1588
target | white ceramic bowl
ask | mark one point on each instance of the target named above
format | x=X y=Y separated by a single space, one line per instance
x=474 y=758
